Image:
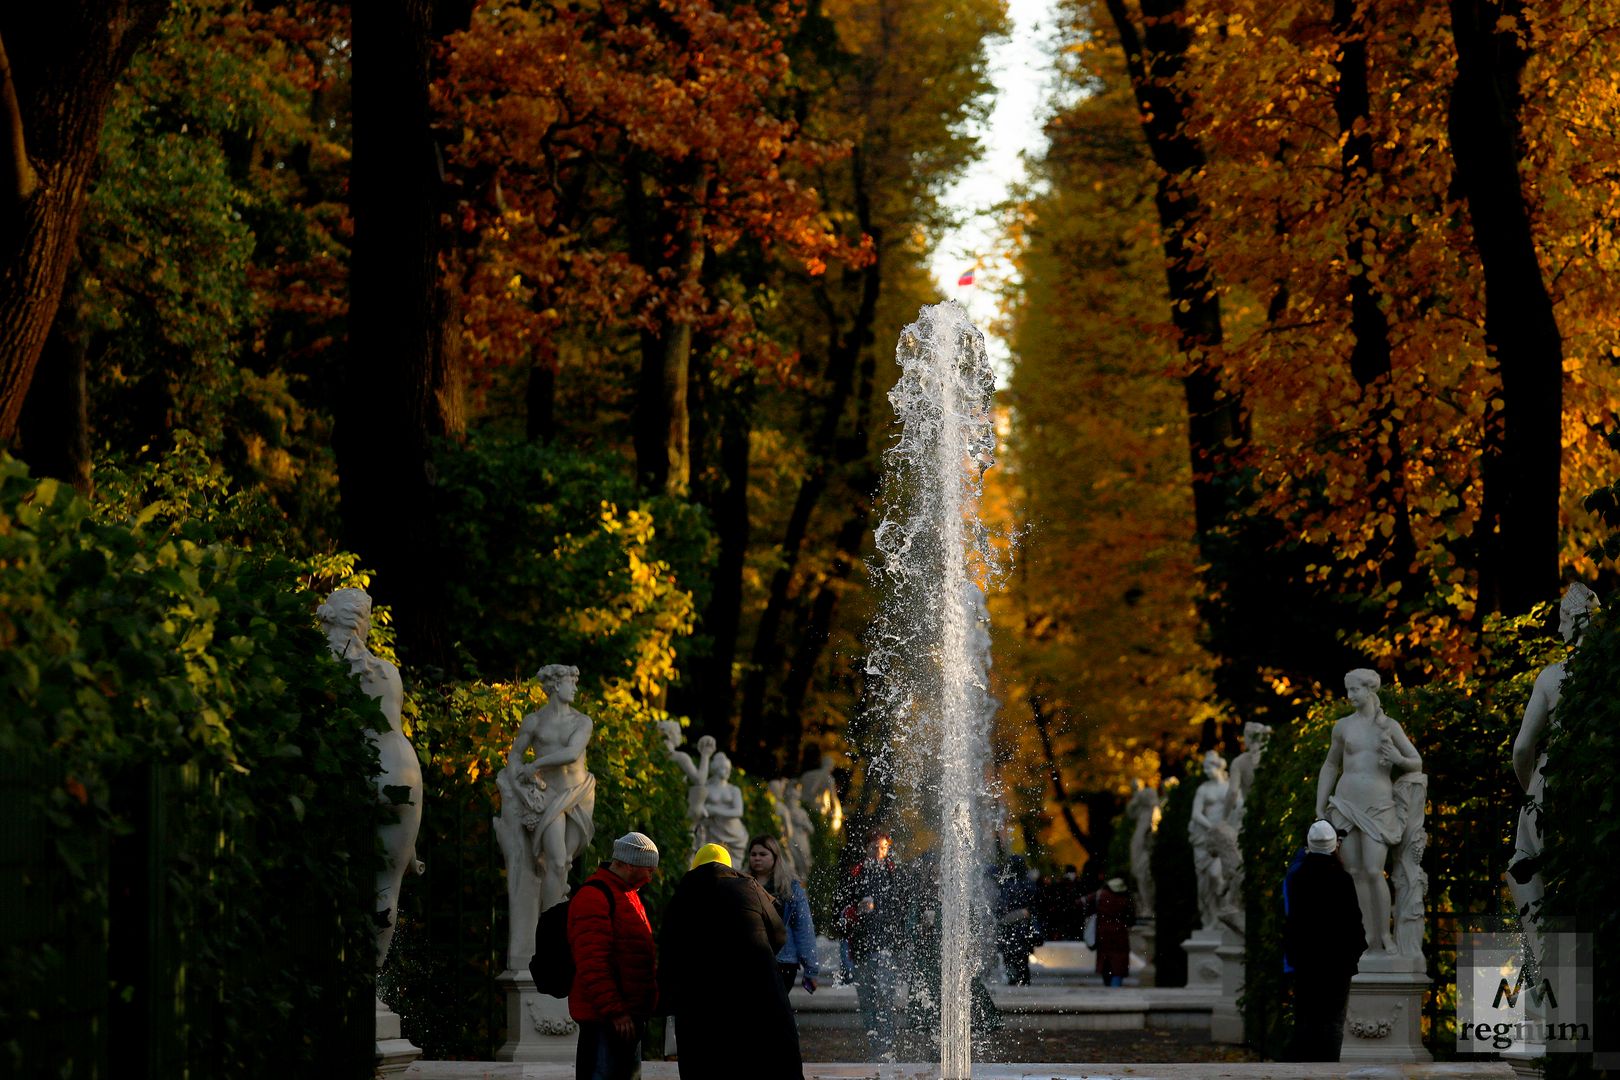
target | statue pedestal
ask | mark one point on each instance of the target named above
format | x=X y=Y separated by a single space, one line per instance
x=394 y=1053
x=1142 y=944
x=1203 y=966
x=1226 y=1020
x=537 y=1025
x=1384 y=1020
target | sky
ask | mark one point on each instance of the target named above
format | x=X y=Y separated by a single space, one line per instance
x=1020 y=68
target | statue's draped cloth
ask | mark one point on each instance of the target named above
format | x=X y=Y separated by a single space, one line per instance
x=576 y=803
x=1381 y=822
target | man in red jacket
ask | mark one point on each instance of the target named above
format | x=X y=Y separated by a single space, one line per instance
x=615 y=986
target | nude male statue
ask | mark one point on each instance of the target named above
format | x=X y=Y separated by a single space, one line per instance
x=1208 y=813
x=1356 y=793
x=1524 y=873
x=1242 y=771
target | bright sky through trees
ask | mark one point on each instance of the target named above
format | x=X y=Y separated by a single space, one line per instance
x=1020 y=67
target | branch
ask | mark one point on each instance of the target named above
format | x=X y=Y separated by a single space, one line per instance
x=16 y=173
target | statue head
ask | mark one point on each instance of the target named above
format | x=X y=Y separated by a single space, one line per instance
x=1214 y=766
x=1362 y=684
x=720 y=767
x=1254 y=736
x=671 y=731
x=777 y=788
x=346 y=610
x=559 y=681
x=1577 y=607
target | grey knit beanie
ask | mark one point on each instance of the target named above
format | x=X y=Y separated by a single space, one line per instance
x=1323 y=838
x=635 y=849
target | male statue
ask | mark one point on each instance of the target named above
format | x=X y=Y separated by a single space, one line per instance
x=1524 y=873
x=1208 y=812
x=548 y=805
x=1254 y=746
x=1356 y=793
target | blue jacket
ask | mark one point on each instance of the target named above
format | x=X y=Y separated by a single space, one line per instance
x=801 y=933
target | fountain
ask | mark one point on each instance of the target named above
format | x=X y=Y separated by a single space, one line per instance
x=929 y=647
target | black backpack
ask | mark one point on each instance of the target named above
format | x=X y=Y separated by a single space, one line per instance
x=552 y=966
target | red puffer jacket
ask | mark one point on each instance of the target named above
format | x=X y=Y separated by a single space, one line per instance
x=613 y=961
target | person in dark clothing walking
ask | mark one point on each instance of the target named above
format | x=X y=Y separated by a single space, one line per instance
x=1059 y=910
x=873 y=920
x=1322 y=943
x=614 y=990
x=1017 y=932
x=1116 y=914
x=717 y=976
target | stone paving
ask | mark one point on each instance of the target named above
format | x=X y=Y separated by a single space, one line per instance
x=667 y=1070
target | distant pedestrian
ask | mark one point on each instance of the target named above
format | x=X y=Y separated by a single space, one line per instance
x=615 y=988
x=798 y=957
x=1059 y=908
x=924 y=932
x=717 y=971
x=1323 y=941
x=873 y=919
x=1116 y=914
x=1017 y=933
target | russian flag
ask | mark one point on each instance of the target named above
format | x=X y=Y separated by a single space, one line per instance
x=965 y=279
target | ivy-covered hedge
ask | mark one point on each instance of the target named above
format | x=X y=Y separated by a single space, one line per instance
x=1583 y=818
x=452 y=939
x=1175 y=884
x=1465 y=735
x=189 y=850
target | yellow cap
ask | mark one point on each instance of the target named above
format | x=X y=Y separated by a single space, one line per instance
x=709 y=853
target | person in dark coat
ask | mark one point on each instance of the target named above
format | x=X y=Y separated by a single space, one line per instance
x=1322 y=943
x=1116 y=914
x=1060 y=911
x=1017 y=932
x=717 y=976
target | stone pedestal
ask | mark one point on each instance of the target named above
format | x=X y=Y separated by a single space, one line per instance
x=1384 y=1020
x=1203 y=966
x=1143 y=942
x=394 y=1053
x=537 y=1025
x=1226 y=1020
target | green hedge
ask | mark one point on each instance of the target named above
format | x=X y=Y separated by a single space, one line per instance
x=1465 y=734
x=1583 y=771
x=1175 y=883
x=188 y=855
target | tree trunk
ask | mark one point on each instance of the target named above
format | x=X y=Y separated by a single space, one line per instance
x=54 y=429
x=1060 y=790
x=1370 y=353
x=59 y=66
x=1519 y=532
x=401 y=387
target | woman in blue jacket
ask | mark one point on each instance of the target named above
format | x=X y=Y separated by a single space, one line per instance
x=772 y=871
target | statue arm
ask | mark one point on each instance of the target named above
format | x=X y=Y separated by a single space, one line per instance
x=1332 y=765
x=1198 y=815
x=683 y=760
x=520 y=743
x=1409 y=760
x=1529 y=737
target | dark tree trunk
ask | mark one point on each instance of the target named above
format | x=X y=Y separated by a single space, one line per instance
x=1519 y=532
x=1060 y=790
x=1370 y=353
x=756 y=742
x=59 y=65
x=540 y=401
x=54 y=432
x=401 y=387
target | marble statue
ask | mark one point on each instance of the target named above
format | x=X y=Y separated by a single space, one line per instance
x=819 y=792
x=1143 y=813
x=548 y=804
x=796 y=853
x=720 y=815
x=1208 y=812
x=1524 y=872
x=804 y=831
x=1242 y=772
x=346 y=618
x=696 y=772
x=1357 y=792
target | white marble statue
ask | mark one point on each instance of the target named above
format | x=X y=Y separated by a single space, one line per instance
x=1242 y=771
x=804 y=830
x=720 y=816
x=346 y=618
x=1143 y=813
x=1208 y=812
x=1524 y=873
x=1357 y=792
x=696 y=772
x=795 y=848
x=548 y=804
x=819 y=792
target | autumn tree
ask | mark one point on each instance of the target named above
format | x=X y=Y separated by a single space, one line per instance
x=58 y=69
